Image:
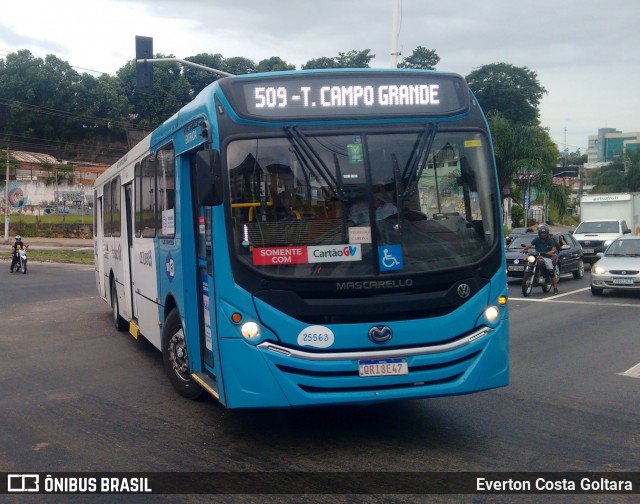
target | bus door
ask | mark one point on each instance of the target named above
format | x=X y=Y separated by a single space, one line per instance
x=128 y=204
x=211 y=377
x=208 y=326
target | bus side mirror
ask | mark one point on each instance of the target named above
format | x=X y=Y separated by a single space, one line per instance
x=208 y=178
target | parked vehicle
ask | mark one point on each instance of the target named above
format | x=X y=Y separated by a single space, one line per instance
x=596 y=235
x=617 y=268
x=570 y=258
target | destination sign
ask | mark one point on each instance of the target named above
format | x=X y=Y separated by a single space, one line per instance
x=384 y=94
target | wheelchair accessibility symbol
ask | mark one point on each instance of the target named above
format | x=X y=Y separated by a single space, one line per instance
x=390 y=257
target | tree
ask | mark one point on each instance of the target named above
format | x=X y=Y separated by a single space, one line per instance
x=421 y=58
x=522 y=151
x=274 y=64
x=239 y=65
x=632 y=169
x=320 y=63
x=567 y=158
x=351 y=59
x=199 y=79
x=610 y=178
x=513 y=91
x=171 y=91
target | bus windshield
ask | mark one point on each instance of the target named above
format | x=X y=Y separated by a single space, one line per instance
x=362 y=203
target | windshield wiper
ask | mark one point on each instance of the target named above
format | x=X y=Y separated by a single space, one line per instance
x=302 y=146
x=418 y=159
x=396 y=182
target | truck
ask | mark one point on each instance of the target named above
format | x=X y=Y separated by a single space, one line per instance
x=606 y=217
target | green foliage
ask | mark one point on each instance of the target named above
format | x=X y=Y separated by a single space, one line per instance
x=571 y=158
x=632 y=169
x=421 y=58
x=517 y=216
x=352 y=59
x=610 y=179
x=521 y=148
x=513 y=91
x=274 y=64
x=46 y=102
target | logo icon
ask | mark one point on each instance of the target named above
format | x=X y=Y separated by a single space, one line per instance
x=23 y=483
x=390 y=257
x=464 y=291
x=380 y=334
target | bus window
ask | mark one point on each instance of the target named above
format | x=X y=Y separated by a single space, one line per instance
x=165 y=182
x=106 y=221
x=138 y=216
x=115 y=207
x=146 y=203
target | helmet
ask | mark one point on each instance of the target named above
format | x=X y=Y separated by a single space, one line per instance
x=543 y=231
x=18 y=238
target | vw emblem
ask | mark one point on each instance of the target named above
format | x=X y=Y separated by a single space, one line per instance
x=516 y=261
x=380 y=334
x=464 y=290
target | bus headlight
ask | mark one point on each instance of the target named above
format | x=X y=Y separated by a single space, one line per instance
x=250 y=330
x=491 y=314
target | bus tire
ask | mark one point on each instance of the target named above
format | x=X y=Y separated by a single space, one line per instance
x=118 y=322
x=176 y=358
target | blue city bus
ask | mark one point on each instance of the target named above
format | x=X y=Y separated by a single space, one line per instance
x=311 y=238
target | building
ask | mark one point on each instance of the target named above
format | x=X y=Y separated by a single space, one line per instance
x=610 y=144
x=38 y=181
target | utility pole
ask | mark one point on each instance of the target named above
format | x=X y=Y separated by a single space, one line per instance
x=394 y=33
x=6 y=201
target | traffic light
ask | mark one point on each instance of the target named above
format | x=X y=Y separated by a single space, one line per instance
x=144 y=70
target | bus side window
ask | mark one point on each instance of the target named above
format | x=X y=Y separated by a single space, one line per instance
x=116 y=192
x=165 y=183
x=106 y=215
x=138 y=214
x=146 y=202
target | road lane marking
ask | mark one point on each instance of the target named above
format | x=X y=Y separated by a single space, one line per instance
x=633 y=372
x=555 y=299
x=564 y=301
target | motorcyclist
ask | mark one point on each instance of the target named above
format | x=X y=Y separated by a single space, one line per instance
x=546 y=246
x=15 y=258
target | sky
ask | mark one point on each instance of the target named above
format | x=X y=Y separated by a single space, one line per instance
x=585 y=54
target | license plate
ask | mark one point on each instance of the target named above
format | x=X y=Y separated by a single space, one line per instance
x=623 y=281
x=383 y=367
x=515 y=268
x=588 y=250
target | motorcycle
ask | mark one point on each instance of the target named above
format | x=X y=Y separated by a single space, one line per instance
x=21 y=261
x=535 y=274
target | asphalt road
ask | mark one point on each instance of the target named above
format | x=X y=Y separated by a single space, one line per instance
x=79 y=396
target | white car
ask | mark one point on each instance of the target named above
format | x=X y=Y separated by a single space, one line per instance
x=618 y=267
x=596 y=235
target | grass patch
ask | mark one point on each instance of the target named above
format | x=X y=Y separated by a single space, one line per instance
x=61 y=256
x=17 y=219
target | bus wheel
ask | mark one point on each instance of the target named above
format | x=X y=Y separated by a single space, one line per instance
x=176 y=358
x=119 y=323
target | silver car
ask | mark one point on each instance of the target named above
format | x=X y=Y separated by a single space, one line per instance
x=618 y=267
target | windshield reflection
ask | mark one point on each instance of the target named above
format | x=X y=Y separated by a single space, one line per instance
x=361 y=204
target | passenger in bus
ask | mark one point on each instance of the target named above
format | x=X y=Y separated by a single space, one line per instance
x=285 y=208
x=359 y=211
